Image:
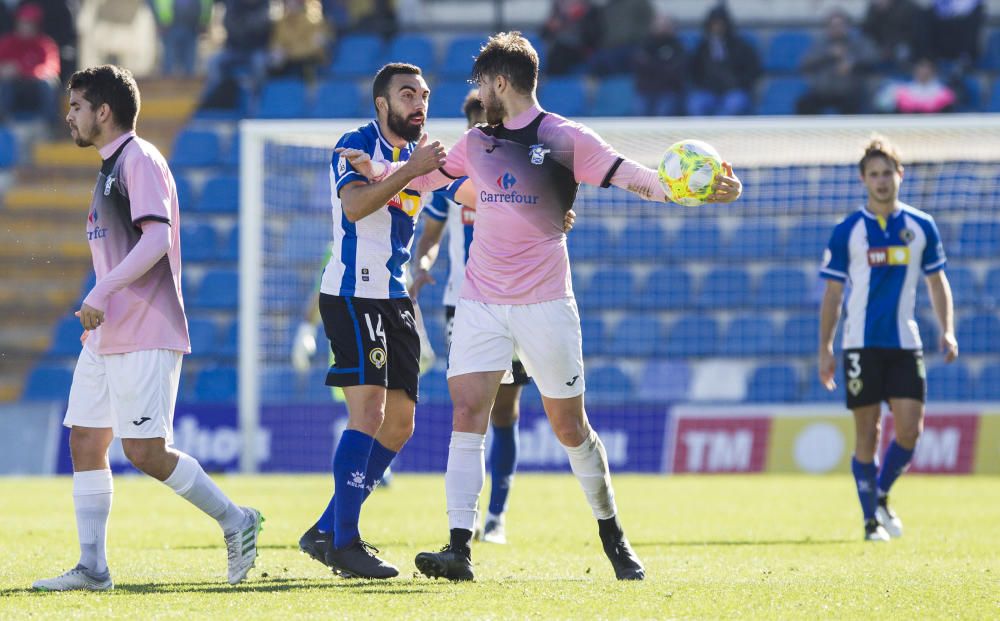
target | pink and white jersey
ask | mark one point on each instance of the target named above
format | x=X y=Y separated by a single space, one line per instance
x=135 y=185
x=526 y=176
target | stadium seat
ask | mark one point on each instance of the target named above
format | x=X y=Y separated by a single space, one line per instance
x=949 y=382
x=357 y=56
x=566 y=95
x=447 y=97
x=665 y=380
x=218 y=290
x=695 y=239
x=459 y=55
x=749 y=336
x=994 y=105
x=724 y=288
x=185 y=195
x=667 y=288
x=282 y=99
x=988 y=386
x=47 y=382
x=785 y=51
x=635 y=336
x=203 y=335
x=799 y=335
x=306 y=240
x=773 y=384
x=66 y=337
x=609 y=288
x=228 y=249
x=8 y=148
x=964 y=288
x=216 y=385
x=195 y=148
x=615 y=97
x=979 y=239
x=589 y=240
x=609 y=384
x=929 y=332
x=690 y=336
x=991 y=290
x=807 y=241
x=199 y=242
x=979 y=334
x=231 y=154
x=815 y=391
x=990 y=60
x=434 y=387
x=286 y=289
x=337 y=99
x=641 y=240
x=228 y=343
x=592 y=328
x=751 y=242
x=970 y=95
x=416 y=49
x=221 y=194
x=784 y=287
x=780 y=96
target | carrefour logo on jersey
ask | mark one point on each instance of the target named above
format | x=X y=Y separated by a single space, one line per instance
x=506 y=182
x=97 y=232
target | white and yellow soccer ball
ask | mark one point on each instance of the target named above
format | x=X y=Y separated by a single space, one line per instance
x=688 y=170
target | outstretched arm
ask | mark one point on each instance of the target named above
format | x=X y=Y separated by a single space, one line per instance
x=645 y=182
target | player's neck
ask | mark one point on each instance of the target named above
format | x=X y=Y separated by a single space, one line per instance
x=107 y=137
x=516 y=105
x=881 y=208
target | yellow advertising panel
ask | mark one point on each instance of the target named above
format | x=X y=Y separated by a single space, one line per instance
x=811 y=444
x=988 y=444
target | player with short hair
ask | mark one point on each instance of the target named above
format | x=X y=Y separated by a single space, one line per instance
x=525 y=168
x=881 y=250
x=125 y=381
x=367 y=313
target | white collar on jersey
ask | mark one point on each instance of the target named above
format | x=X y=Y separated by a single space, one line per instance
x=895 y=212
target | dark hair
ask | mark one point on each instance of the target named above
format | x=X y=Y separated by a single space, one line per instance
x=472 y=107
x=879 y=146
x=511 y=55
x=108 y=84
x=380 y=87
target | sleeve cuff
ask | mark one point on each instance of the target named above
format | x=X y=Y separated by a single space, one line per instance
x=935 y=267
x=349 y=177
x=833 y=275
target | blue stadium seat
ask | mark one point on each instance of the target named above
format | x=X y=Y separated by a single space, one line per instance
x=964 y=288
x=589 y=240
x=785 y=51
x=988 y=386
x=696 y=239
x=337 y=99
x=199 y=242
x=991 y=290
x=286 y=289
x=634 y=336
x=66 y=337
x=592 y=328
x=950 y=382
x=929 y=333
x=979 y=239
x=608 y=288
x=231 y=153
x=203 y=335
x=282 y=99
x=724 y=288
x=185 y=195
x=8 y=148
x=970 y=95
x=447 y=97
x=780 y=96
x=665 y=380
x=991 y=56
x=750 y=336
x=284 y=385
x=195 y=148
x=667 y=288
x=218 y=290
x=307 y=239
x=799 y=335
x=615 y=97
x=229 y=338
x=216 y=385
x=459 y=56
x=815 y=391
x=357 y=56
x=229 y=248
x=690 y=336
x=994 y=104
x=773 y=384
x=48 y=382
x=807 y=240
x=751 y=241
x=609 y=384
x=641 y=240
x=979 y=334
x=784 y=287
x=565 y=95
x=221 y=194
x=416 y=49
x=434 y=387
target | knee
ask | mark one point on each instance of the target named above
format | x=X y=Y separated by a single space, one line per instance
x=571 y=432
x=907 y=437
x=143 y=455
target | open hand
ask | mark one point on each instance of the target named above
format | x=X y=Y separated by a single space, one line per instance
x=359 y=161
x=427 y=157
x=727 y=187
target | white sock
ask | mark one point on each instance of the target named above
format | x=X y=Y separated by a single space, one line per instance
x=191 y=483
x=463 y=480
x=92 y=491
x=589 y=462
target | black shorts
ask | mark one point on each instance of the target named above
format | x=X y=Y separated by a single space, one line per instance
x=374 y=342
x=521 y=376
x=874 y=375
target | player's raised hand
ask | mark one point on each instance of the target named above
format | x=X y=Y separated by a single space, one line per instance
x=827 y=369
x=728 y=186
x=569 y=221
x=427 y=157
x=90 y=317
x=421 y=277
x=361 y=162
x=949 y=345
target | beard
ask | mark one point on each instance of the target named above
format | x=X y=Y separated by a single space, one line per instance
x=494 y=111
x=85 y=141
x=403 y=128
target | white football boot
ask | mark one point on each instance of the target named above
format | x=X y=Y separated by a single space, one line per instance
x=77 y=579
x=241 y=545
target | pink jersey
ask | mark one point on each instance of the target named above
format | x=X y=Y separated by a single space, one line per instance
x=144 y=309
x=526 y=175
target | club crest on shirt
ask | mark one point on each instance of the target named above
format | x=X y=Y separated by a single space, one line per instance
x=854 y=386
x=107 y=185
x=377 y=357
x=341 y=165
x=906 y=235
x=537 y=153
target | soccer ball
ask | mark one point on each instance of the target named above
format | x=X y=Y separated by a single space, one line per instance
x=687 y=172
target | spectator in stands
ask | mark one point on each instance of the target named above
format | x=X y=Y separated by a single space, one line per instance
x=571 y=32
x=836 y=68
x=624 y=23
x=244 y=57
x=59 y=22
x=659 y=70
x=954 y=28
x=299 y=40
x=925 y=93
x=724 y=69
x=893 y=26
x=375 y=16
x=29 y=67
x=180 y=22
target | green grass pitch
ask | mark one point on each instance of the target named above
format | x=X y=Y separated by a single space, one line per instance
x=777 y=547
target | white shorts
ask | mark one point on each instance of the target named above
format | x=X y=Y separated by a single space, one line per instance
x=546 y=337
x=134 y=394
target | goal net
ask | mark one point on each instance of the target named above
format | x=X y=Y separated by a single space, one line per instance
x=679 y=305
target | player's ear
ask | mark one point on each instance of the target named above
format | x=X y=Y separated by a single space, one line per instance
x=381 y=104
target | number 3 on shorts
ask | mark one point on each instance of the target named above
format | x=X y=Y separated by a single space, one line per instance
x=855 y=370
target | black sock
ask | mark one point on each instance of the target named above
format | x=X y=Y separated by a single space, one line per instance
x=460 y=539
x=610 y=529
